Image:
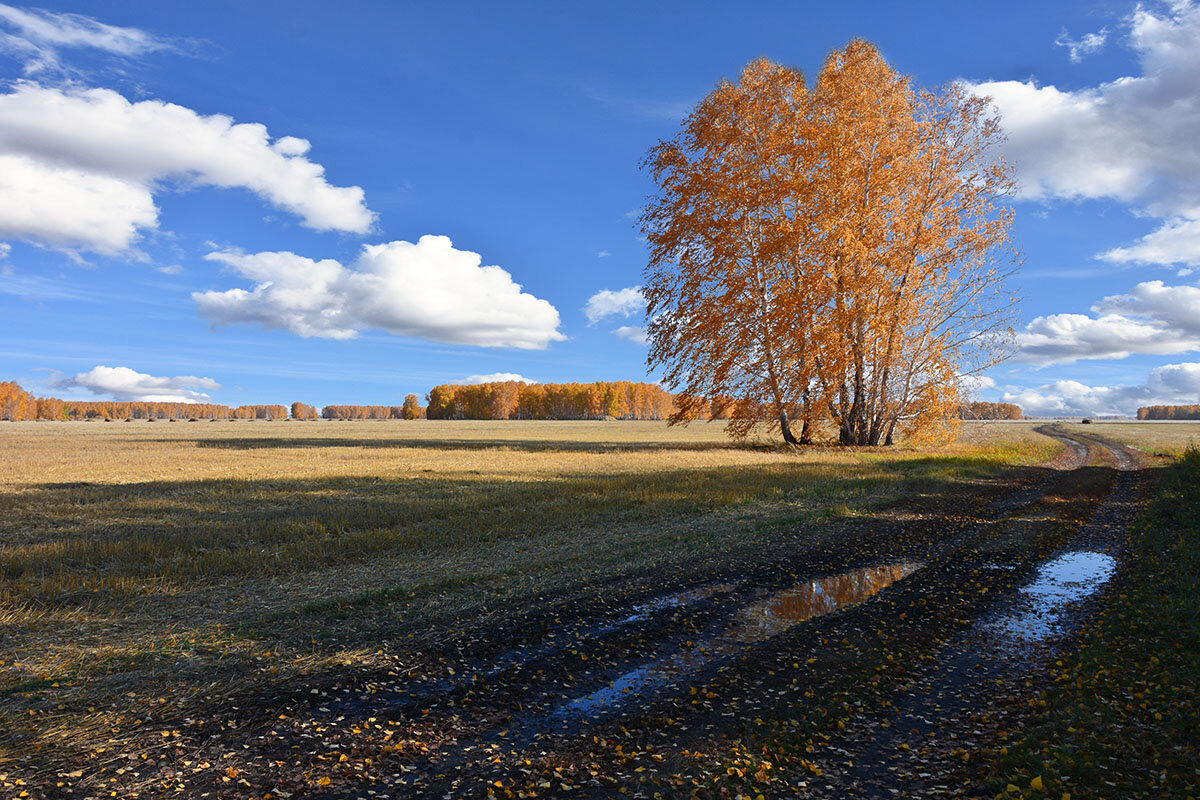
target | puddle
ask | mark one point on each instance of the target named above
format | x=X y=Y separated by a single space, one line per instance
x=816 y=598
x=754 y=623
x=1059 y=582
x=522 y=655
x=646 y=610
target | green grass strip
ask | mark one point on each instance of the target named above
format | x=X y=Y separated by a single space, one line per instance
x=1123 y=717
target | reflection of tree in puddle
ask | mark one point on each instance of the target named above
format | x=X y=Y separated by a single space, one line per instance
x=816 y=598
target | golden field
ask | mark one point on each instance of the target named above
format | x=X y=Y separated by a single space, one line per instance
x=140 y=560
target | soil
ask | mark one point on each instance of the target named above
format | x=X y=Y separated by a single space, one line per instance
x=887 y=694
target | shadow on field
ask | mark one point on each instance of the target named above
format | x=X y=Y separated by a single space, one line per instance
x=64 y=541
x=473 y=568
x=526 y=445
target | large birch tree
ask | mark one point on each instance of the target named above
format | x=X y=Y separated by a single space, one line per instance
x=834 y=254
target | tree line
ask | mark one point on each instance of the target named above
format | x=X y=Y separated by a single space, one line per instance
x=18 y=404
x=982 y=410
x=500 y=400
x=516 y=400
x=411 y=409
x=1169 y=412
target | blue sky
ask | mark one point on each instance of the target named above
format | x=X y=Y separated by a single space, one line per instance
x=141 y=206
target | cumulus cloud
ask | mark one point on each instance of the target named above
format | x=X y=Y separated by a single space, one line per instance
x=1166 y=385
x=80 y=167
x=633 y=333
x=1086 y=45
x=35 y=37
x=1152 y=318
x=1132 y=139
x=428 y=290
x=495 y=377
x=123 y=383
x=1176 y=241
x=607 y=303
x=626 y=303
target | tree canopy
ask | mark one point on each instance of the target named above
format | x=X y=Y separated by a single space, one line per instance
x=828 y=253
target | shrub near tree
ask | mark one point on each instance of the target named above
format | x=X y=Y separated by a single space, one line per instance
x=828 y=253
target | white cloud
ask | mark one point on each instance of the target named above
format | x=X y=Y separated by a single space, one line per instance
x=123 y=383
x=607 y=303
x=79 y=167
x=1176 y=241
x=5 y=249
x=603 y=254
x=428 y=290
x=1060 y=338
x=1132 y=139
x=1178 y=307
x=170 y=269
x=1151 y=318
x=69 y=207
x=495 y=377
x=35 y=36
x=1078 y=48
x=1165 y=385
x=633 y=333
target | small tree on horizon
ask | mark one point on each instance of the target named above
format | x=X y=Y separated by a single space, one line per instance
x=411 y=409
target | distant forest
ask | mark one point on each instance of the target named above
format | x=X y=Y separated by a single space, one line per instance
x=501 y=400
x=980 y=410
x=515 y=400
x=1169 y=412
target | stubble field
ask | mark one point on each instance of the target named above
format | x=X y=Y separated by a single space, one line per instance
x=155 y=573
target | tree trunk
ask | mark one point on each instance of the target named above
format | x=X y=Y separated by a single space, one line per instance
x=806 y=430
x=888 y=442
x=785 y=427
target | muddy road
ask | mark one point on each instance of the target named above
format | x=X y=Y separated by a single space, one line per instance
x=873 y=666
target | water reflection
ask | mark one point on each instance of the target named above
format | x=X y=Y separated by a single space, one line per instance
x=1059 y=582
x=814 y=599
x=677 y=600
x=752 y=624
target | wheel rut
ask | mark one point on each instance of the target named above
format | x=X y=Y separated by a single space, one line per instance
x=504 y=727
x=919 y=748
x=514 y=710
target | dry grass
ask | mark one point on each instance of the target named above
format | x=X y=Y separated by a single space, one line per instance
x=170 y=556
x=1154 y=437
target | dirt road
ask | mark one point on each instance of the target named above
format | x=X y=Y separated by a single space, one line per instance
x=868 y=664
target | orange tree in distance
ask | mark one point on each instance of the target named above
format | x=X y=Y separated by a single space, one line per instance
x=828 y=254
x=411 y=408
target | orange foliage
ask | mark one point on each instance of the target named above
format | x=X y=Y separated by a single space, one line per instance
x=1169 y=412
x=15 y=402
x=303 y=411
x=982 y=410
x=411 y=408
x=362 y=412
x=515 y=400
x=827 y=253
